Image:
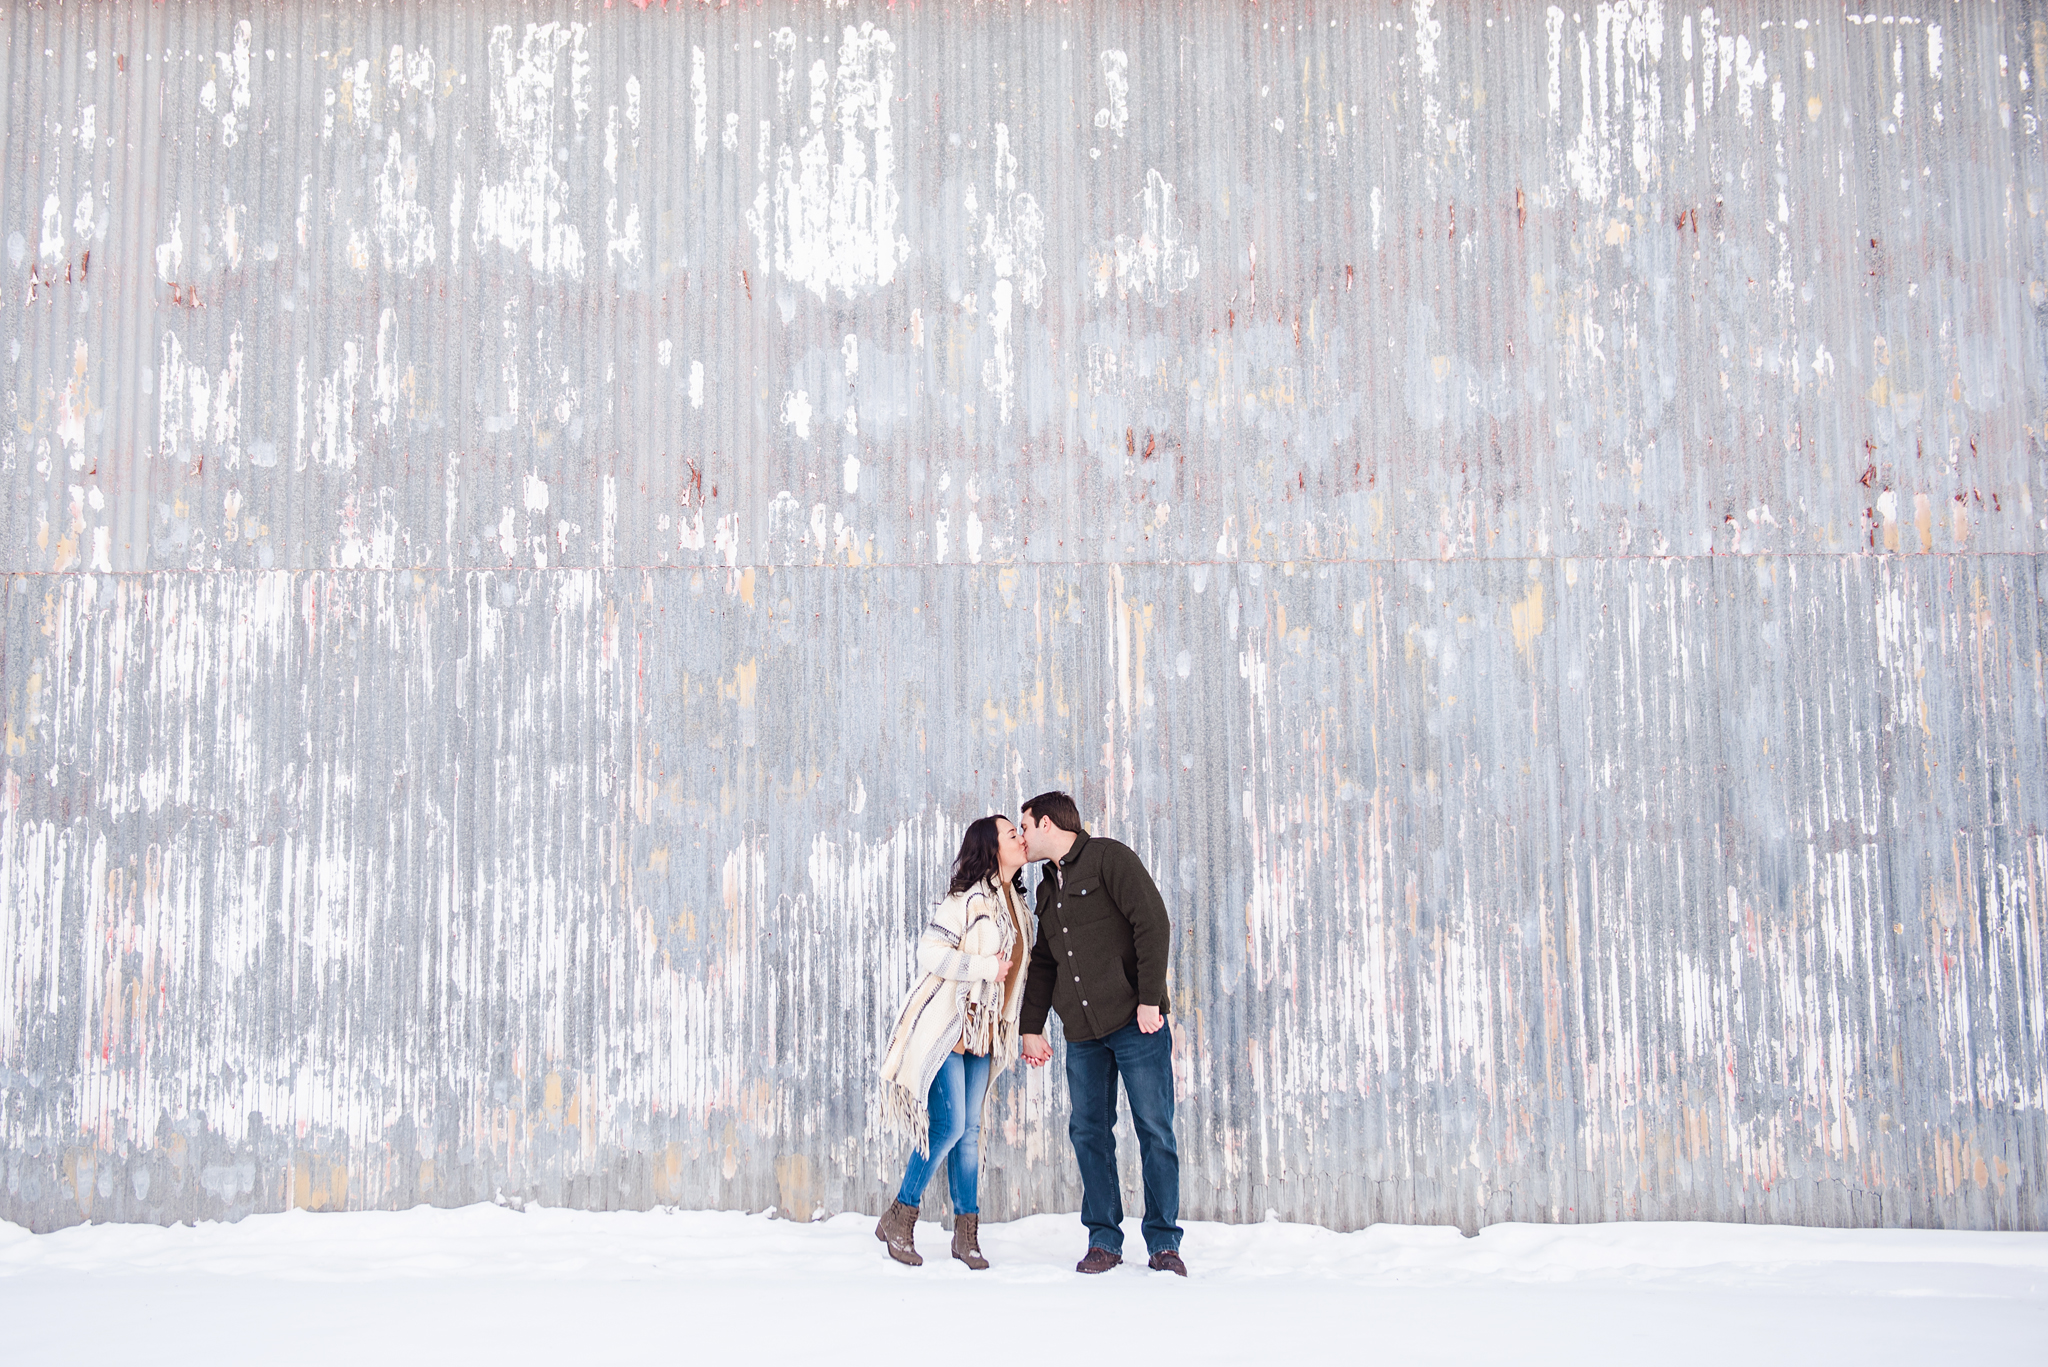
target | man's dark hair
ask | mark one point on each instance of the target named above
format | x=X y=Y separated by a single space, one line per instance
x=1057 y=806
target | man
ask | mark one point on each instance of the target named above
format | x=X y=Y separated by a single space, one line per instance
x=1100 y=961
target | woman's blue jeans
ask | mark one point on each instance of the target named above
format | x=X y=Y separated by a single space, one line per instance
x=955 y=1105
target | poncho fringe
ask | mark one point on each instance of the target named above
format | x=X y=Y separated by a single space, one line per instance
x=984 y=922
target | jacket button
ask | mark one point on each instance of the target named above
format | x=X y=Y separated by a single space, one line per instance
x=1077 y=978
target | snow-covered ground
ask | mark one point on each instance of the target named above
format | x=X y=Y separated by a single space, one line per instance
x=487 y=1284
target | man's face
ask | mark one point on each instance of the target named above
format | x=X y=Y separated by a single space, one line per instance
x=1036 y=837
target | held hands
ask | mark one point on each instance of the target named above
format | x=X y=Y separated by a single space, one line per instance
x=1037 y=1049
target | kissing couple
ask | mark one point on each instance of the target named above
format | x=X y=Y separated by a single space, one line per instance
x=1099 y=959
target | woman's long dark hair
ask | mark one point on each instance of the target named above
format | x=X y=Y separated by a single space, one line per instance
x=980 y=855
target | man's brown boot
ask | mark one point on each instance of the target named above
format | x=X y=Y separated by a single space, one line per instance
x=898 y=1229
x=1098 y=1260
x=1168 y=1260
x=966 y=1244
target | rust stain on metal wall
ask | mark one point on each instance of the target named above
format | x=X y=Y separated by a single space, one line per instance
x=534 y=527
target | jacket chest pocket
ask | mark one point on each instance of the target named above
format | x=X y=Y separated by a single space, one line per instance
x=1084 y=902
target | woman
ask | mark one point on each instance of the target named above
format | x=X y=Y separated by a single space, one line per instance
x=957 y=1030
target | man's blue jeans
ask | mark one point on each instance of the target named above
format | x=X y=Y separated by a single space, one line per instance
x=955 y=1105
x=1145 y=1063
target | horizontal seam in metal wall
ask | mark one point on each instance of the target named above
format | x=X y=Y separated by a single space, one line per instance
x=1028 y=564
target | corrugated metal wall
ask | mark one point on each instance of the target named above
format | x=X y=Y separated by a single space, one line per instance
x=533 y=528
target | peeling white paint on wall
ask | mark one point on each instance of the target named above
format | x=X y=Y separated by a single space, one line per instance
x=1013 y=240
x=1116 y=86
x=325 y=427
x=699 y=100
x=170 y=253
x=796 y=413
x=405 y=227
x=1621 y=100
x=526 y=212
x=238 y=97
x=1158 y=261
x=830 y=225
x=199 y=410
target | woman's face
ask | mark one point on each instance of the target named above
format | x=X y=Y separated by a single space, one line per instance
x=1009 y=846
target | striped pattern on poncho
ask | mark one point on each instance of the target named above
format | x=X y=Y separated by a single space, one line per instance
x=956 y=957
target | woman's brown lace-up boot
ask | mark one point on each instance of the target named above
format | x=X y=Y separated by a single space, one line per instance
x=898 y=1229
x=967 y=1241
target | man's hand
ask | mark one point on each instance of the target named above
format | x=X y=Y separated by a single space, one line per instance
x=1037 y=1050
x=1149 y=1020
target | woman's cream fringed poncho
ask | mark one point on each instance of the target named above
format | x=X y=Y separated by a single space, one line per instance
x=958 y=999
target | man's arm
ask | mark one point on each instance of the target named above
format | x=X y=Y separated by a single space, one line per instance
x=1137 y=897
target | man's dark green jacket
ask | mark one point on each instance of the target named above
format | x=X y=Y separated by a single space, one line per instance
x=1103 y=942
